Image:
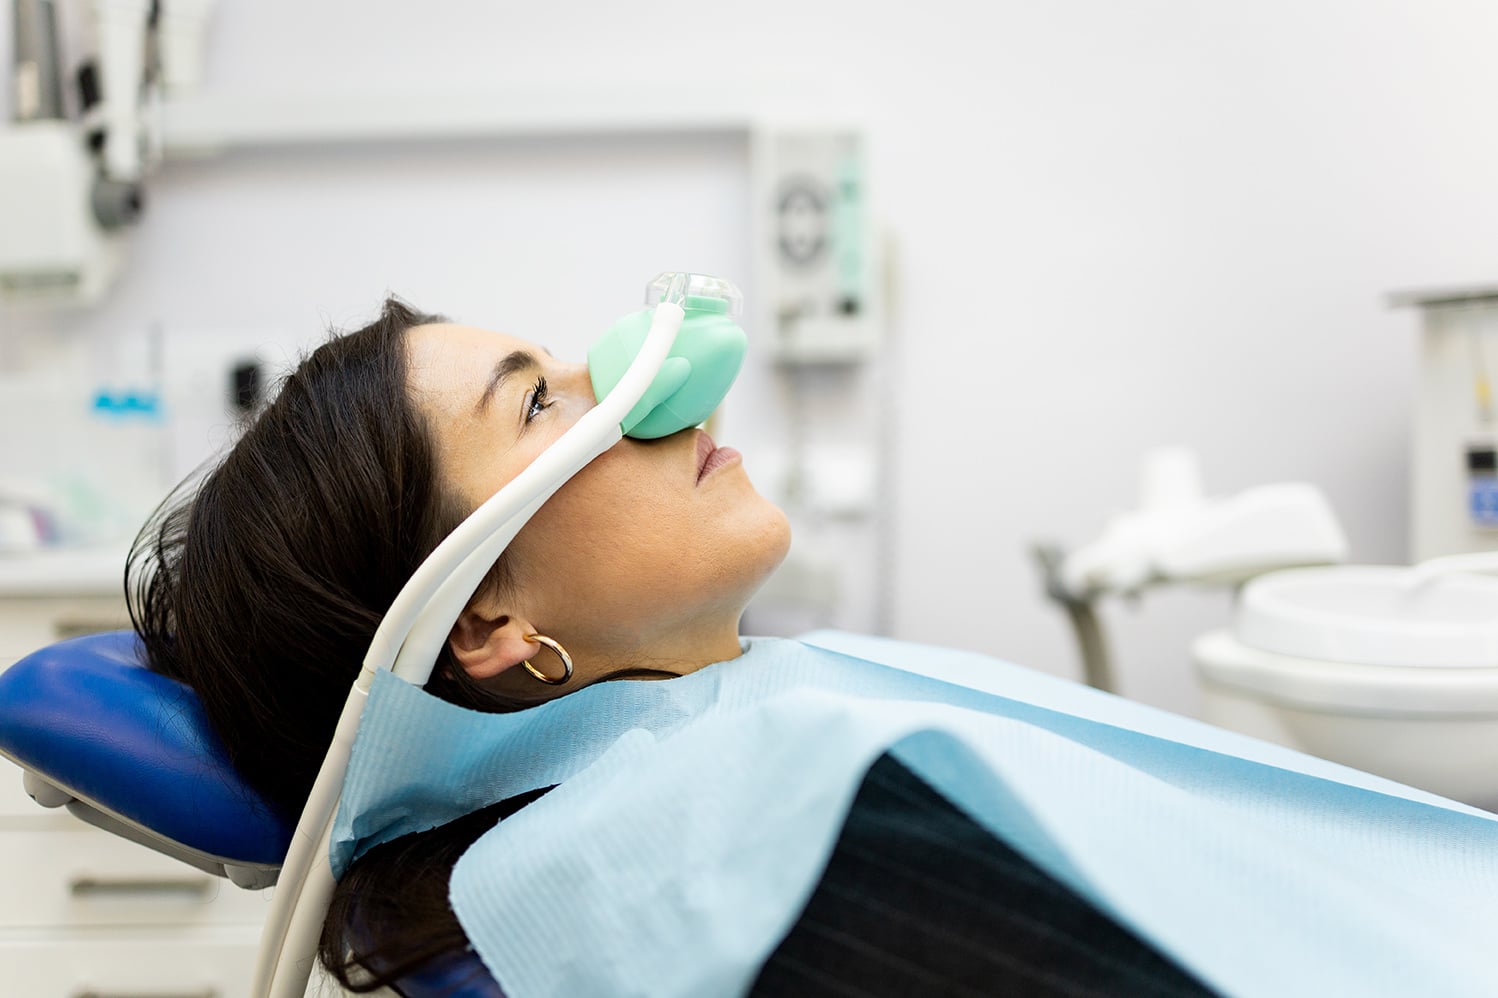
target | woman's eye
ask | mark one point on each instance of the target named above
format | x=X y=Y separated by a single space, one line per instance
x=538 y=401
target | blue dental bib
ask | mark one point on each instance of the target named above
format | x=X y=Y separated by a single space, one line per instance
x=694 y=815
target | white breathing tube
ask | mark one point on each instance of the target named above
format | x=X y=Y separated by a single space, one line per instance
x=412 y=633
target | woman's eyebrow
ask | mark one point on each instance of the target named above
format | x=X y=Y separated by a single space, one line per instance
x=519 y=360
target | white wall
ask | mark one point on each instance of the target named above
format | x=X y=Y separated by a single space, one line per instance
x=1116 y=225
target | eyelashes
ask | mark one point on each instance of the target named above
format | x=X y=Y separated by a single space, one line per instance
x=538 y=400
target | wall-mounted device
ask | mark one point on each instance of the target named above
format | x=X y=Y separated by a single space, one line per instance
x=83 y=134
x=1454 y=471
x=816 y=249
x=819 y=287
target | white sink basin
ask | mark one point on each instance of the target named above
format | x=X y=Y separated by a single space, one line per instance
x=1372 y=615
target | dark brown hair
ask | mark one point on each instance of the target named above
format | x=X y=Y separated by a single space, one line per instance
x=262 y=587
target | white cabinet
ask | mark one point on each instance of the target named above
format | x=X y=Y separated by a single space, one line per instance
x=128 y=963
x=31 y=622
x=86 y=913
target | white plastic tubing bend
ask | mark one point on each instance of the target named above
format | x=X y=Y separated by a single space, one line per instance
x=410 y=637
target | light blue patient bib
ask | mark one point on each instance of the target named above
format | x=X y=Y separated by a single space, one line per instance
x=694 y=817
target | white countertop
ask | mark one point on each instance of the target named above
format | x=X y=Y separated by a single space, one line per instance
x=80 y=571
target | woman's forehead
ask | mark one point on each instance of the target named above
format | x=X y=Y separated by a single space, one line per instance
x=439 y=340
x=450 y=364
x=447 y=349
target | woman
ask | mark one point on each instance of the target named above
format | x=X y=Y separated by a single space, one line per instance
x=263 y=588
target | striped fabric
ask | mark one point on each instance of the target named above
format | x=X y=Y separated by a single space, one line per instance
x=918 y=900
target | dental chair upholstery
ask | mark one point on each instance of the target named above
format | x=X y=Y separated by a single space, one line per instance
x=132 y=752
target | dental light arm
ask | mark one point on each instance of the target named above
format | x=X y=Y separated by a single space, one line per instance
x=1179 y=535
x=683 y=390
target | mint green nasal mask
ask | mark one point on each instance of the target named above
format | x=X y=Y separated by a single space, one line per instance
x=701 y=367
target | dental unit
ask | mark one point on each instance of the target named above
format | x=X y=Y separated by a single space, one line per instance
x=1390 y=669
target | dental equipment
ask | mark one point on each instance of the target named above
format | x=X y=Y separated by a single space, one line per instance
x=664 y=388
x=1178 y=535
x=1454 y=446
x=69 y=188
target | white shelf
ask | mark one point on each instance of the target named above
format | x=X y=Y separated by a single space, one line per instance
x=84 y=571
x=210 y=124
x=1462 y=294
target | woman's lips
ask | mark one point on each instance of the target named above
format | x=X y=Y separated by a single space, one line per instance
x=711 y=457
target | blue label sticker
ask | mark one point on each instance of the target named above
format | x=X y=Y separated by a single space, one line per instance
x=130 y=403
x=1482 y=500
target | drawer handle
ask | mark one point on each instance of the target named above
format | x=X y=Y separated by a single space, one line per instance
x=198 y=888
x=82 y=627
x=91 y=993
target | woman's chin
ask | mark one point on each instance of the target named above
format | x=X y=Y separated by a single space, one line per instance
x=776 y=542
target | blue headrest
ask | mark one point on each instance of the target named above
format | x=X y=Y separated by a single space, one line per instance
x=87 y=715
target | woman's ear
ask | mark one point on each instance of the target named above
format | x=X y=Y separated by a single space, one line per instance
x=484 y=647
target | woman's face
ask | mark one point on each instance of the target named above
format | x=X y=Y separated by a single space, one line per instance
x=636 y=562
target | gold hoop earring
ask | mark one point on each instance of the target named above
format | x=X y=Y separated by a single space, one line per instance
x=561 y=653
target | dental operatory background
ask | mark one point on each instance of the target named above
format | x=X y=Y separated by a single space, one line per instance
x=993 y=255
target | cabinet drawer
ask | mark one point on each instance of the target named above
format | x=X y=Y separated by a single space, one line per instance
x=29 y=623
x=137 y=965
x=80 y=876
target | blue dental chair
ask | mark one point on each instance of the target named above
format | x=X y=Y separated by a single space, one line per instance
x=131 y=751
